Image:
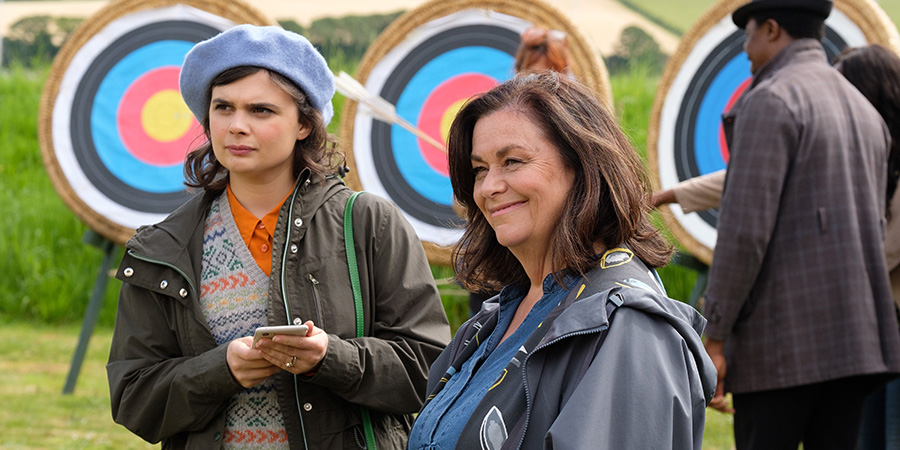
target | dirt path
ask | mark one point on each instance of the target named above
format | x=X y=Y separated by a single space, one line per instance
x=601 y=21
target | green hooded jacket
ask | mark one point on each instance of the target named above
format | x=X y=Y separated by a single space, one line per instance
x=169 y=381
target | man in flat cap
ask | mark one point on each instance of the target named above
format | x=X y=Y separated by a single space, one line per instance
x=799 y=302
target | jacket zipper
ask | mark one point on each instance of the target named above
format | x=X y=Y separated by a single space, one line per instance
x=171 y=266
x=525 y=371
x=287 y=308
x=315 y=295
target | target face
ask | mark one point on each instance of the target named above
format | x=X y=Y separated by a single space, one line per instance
x=120 y=130
x=428 y=64
x=428 y=79
x=702 y=85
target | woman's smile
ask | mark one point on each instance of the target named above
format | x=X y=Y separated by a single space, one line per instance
x=521 y=183
x=506 y=208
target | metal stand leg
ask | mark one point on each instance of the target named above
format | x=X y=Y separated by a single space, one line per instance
x=93 y=310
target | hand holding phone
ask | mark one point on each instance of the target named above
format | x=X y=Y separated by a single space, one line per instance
x=269 y=332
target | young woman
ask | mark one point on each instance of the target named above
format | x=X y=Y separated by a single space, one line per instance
x=263 y=244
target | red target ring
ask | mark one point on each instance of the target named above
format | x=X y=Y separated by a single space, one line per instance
x=153 y=122
x=439 y=109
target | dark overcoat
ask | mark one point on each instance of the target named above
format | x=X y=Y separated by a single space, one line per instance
x=799 y=285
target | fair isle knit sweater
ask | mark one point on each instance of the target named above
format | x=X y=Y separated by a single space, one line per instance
x=233 y=294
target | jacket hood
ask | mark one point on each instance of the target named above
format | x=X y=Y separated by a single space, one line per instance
x=584 y=315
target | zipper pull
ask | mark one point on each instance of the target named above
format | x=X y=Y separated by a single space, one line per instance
x=313 y=279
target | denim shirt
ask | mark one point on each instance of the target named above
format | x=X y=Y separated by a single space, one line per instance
x=439 y=425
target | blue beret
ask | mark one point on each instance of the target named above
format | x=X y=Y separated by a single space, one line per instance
x=273 y=48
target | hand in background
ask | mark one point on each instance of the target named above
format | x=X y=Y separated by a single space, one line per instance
x=716 y=351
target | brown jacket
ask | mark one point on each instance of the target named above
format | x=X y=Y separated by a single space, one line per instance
x=169 y=380
x=705 y=192
x=798 y=286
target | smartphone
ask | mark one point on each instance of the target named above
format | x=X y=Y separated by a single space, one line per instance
x=296 y=330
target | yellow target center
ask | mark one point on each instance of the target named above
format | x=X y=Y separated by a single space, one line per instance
x=165 y=117
x=448 y=117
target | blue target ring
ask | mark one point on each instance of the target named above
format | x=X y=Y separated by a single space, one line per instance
x=101 y=153
x=413 y=168
x=708 y=149
x=409 y=181
x=110 y=148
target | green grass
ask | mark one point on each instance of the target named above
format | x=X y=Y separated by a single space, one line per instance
x=892 y=8
x=47 y=270
x=633 y=95
x=37 y=416
x=676 y=16
x=679 y=16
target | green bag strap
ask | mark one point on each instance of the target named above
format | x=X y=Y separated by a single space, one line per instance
x=357 y=301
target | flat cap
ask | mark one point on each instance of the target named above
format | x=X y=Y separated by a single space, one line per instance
x=817 y=7
x=269 y=47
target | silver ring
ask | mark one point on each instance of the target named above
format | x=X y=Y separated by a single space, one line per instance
x=290 y=364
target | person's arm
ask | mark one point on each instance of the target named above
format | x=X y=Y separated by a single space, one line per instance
x=764 y=139
x=388 y=370
x=155 y=390
x=695 y=194
x=643 y=390
x=716 y=351
x=663 y=197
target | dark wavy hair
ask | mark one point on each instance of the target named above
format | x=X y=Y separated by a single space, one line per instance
x=608 y=202
x=875 y=71
x=317 y=152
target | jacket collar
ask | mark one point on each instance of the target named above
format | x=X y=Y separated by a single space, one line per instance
x=171 y=240
x=310 y=193
x=800 y=51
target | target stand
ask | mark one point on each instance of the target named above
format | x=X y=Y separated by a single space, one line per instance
x=113 y=129
x=95 y=303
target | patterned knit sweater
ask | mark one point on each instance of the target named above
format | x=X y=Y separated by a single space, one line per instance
x=233 y=294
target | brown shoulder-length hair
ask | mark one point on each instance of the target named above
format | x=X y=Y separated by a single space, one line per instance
x=317 y=152
x=608 y=202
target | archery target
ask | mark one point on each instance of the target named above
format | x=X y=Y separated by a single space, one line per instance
x=428 y=80
x=119 y=128
x=686 y=135
x=441 y=62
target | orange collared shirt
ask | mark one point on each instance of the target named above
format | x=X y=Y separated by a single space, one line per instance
x=257 y=233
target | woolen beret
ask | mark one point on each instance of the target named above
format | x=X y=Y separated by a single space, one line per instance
x=272 y=48
x=818 y=7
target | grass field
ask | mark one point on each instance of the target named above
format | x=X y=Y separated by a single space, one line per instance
x=37 y=416
x=679 y=16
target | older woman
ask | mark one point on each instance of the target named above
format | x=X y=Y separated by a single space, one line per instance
x=581 y=349
x=264 y=244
